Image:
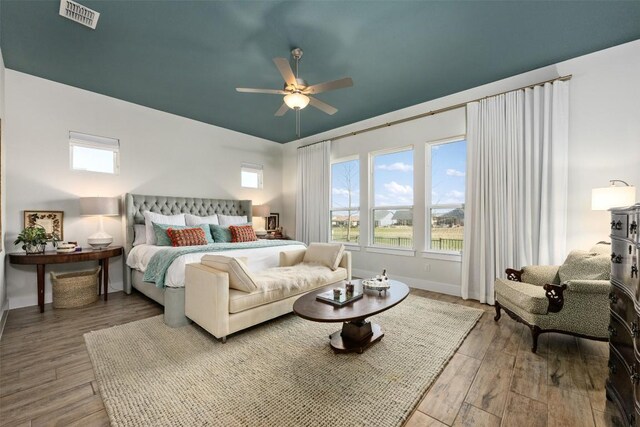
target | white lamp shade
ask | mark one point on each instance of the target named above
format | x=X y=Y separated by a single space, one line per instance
x=107 y=206
x=261 y=210
x=605 y=198
x=296 y=100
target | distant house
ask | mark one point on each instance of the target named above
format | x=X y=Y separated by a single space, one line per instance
x=342 y=220
x=404 y=217
x=453 y=218
x=383 y=218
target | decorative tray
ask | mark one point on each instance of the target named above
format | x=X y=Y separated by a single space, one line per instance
x=341 y=301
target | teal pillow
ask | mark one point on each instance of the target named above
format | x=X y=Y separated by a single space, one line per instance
x=163 y=238
x=221 y=234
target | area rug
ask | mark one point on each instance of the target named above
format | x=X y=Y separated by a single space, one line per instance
x=280 y=373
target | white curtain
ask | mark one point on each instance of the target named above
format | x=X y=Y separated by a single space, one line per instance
x=313 y=193
x=516 y=202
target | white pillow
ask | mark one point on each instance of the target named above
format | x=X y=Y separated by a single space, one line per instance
x=197 y=220
x=232 y=219
x=327 y=254
x=151 y=217
x=139 y=234
x=240 y=277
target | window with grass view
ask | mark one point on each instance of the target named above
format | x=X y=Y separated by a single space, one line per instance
x=392 y=213
x=345 y=201
x=445 y=212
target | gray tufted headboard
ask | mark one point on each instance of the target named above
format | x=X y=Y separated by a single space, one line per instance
x=136 y=204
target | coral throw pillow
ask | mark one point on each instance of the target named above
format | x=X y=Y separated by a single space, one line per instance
x=242 y=233
x=187 y=236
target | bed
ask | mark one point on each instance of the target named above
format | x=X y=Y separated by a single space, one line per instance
x=171 y=294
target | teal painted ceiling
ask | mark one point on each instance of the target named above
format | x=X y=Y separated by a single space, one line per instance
x=187 y=57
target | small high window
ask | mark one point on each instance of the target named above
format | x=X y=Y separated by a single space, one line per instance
x=92 y=153
x=251 y=175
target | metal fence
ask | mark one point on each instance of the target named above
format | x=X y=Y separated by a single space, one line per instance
x=406 y=242
x=446 y=244
x=401 y=242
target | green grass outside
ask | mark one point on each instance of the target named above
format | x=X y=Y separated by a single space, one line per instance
x=404 y=233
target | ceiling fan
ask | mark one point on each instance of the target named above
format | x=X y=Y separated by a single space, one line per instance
x=297 y=91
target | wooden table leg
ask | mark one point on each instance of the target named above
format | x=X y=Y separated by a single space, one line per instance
x=101 y=264
x=105 y=278
x=41 y=287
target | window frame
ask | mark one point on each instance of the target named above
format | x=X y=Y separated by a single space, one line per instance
x=85 y=140
x=332 y=209
x=372 y=200
x=252 y=168
x=428 y=197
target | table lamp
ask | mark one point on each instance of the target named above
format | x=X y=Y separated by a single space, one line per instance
x=261 y=211
x=99 y=206
x=605 y=198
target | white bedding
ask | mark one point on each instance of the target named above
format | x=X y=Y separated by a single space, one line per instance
x=258 y=259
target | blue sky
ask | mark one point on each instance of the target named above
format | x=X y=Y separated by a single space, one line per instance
x=393 y=179
x=448 y=166
x=393 y=182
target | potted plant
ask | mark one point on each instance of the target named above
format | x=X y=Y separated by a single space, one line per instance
x=34 y=239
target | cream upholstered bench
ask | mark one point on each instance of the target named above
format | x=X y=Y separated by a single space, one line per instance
x=223 y=296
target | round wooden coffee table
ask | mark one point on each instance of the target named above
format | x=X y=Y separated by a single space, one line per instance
x=357 y=333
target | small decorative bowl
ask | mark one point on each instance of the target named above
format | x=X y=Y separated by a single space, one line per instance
x=65 y=248
x=376 y=285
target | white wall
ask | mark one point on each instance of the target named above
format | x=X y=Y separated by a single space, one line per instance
x=161 y=154
x=604 y=144
x=3 y=289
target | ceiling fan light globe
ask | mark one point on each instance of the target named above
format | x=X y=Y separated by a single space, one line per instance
x=296 y=100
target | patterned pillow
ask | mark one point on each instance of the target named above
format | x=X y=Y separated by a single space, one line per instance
x=187 y=237
x=242 y=233
x=582 y=265
x=162 y=237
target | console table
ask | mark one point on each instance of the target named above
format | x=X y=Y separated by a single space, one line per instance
x=52 y=257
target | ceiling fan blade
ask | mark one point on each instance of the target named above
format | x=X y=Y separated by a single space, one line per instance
x=282 y=110
x=322 y=106
x=326 y=86
x=285 y=69
x=269 y=91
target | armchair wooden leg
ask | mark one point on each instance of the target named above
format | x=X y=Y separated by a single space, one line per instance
x=535 y=332
x=497 y=312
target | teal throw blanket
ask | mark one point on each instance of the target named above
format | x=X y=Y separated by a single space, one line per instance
x=161 y=260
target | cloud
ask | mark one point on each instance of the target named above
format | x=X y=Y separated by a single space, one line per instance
x=398 y=166
x=453 y=172
x=395 y=188
x=342 y=192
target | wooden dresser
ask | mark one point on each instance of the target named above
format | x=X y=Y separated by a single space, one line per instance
x=623 y=385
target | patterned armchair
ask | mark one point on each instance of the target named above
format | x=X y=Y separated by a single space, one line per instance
x=571 y=298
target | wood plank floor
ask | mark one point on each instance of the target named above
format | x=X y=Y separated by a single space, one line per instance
x=46 y=377
x=495 y=380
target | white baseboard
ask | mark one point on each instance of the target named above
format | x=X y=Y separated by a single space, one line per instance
x=427 y=285
x=4 y=313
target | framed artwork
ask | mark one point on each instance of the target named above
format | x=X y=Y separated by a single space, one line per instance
x=273 y=222
x=51 y=221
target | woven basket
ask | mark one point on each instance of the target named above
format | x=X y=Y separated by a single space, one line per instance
x=76 y=289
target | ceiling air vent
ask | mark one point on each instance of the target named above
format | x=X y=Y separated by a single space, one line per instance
x=79 y=13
